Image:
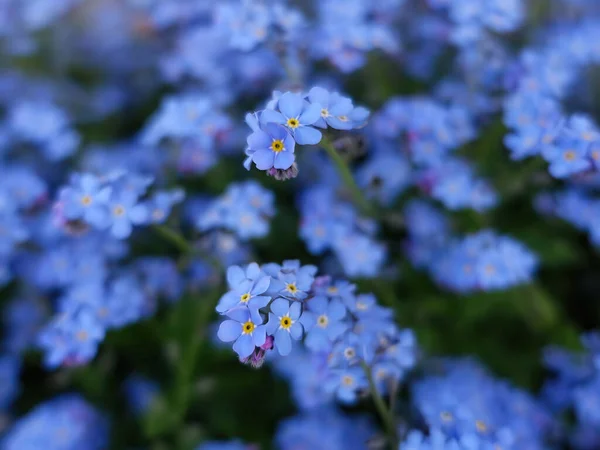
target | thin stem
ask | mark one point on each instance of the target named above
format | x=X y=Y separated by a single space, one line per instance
x=344 y=170
x=386 y=415
x=175 y=238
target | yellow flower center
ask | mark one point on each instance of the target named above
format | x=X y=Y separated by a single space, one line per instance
x=446 y=416
x=248 y=327
x=324 y=113
x=362 y=306
x=332 y=290
x=86 y=200
x=596 y=155
x=291 y=288
x=322 y=321
x=245 y=298
x=569 y=155
x=82 y=335
x=347 y=380
x=343 y=118
x=490 y=269
x=158 y=214
x=277 y=145
x=118 y=210
x=285 y=322
x=481 y=426
x=293 y=123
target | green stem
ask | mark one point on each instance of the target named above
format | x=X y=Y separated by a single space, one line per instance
x=386 y=415
x=175 y=238
x=344 y=170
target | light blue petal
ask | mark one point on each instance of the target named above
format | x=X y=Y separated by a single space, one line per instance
x=280 y=307
x=121 y=229
x=252 y=271
x=308 y=320
x=260 y=301
x=311 y=113
x=283 y=160
x=336 y=329
x=244 y=346
x=240 y=314
x=290 y=104
x=259 y=140
x=271 y=116
x=296 y=330
x=295 y=310
x=227 y=301
x=336 y=310
x=229 y=331
x=235 y=275
x=260 y=335
x=289 y=143
x=283 y=342
x=262 y=284
x=319 y=95
x=318 y=304
x=264 y=159
x=138 y=214
x=307 y=135
x=272 y=324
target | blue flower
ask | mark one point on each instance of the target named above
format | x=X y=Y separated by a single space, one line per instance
x=346 y=384
x=323 y=322
x=272 y=147
x=335 y=110
x=567 y=158
x=125 y=211
x=160 y=205
x=293 y=284
x=296 y=114
x=284 y=324
x=86 y=198
x=247 y=293
x=245 y=331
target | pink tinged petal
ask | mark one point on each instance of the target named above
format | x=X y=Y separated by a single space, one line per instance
x=336 y=310
x=311 y=113
x=271 y=116
x=283 y=342
x=244 y=346
x=295 y=310
x=319 y=95
x=260 y=335
x=296 y=330
x=261 y=285
x=264 y=159
x=284 y=160
x=259 y=140
x=307 y=135
x=280 y=307
x=235 y=275
x=290 y=104
x=229 y=331
x=227 y=301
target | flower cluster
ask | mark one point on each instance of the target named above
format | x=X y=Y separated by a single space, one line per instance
x=355 y=332
x=293 y=118
x=244 y=209
x=66 y=422
x=576 y=388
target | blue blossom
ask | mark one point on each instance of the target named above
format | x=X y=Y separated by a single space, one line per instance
x=272 y=147
x=284 y=324
x=86 y=199
x=82 y=426
x=346 y=383
x=125 y=211
x=335 y=110
x=246 y=331
x=247 y=293
x=323 y=322
x=297 y=115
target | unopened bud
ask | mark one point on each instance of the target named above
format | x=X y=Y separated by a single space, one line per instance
x=282 y=175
